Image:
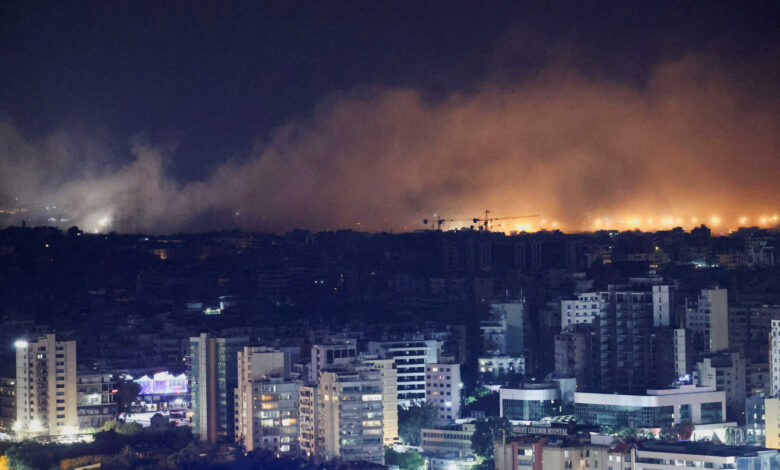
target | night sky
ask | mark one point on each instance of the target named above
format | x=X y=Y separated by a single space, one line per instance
x=162 y=116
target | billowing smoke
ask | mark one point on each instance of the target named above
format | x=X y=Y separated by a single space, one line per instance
x=688 y=143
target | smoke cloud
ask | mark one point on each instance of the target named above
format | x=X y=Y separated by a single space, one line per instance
x=690 y=143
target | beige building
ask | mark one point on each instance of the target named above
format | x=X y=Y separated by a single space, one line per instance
x=772 y=423
x=271 y=420
x=308 y=424
x=454 y=439
x=46 y=395
x=266 y=404
x=350 y=426
x=542 y=453
x=389 y=376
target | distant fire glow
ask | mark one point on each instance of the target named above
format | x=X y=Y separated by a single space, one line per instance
x=584 y=153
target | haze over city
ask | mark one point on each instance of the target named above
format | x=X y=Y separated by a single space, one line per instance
x=527 y=120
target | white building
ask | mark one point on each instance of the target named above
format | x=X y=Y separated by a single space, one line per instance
x=680 y=352
x=661 y=455
x=535 y=401
x=410 y=358
x=350 y=407
x=585 y=309
x=725 y=370
x=688 y=403
x=708 y=318
x=662 y=305
x=588 y=306
x=46 y=392
x=442 y=390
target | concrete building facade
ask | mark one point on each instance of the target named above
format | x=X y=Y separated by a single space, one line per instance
x=389 y=374
x=410 y=358
x=442 y=390
x=336 y=351
x=266 y=406
x=349 y=412
x=707 y=318
x=213 y=380
x=655 y=409
x=46 y=391
x=7 y=403
x=308 y=422
x=95 y=404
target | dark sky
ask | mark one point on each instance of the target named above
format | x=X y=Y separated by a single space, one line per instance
x=211 y=79
x=216 y=75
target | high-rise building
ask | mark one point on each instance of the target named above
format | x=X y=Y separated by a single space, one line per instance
x=266 y=402
x=626 y=345
x=503 y=333
x=410 y=358
x=663 y=300
x=442 y=390
x=387 y=370
x=772 y=423
x=755 y=419
x=257 y=362
x=725 y=370
x=268 y=415
x=576 y=354
x=213 y=380
x=774 y=358
x=682 y=351
x=350 y=415
x=46 y=394
x=591 y=305
x=308 y=423
x=707 y=317
x=337 y=351
x=625 y=328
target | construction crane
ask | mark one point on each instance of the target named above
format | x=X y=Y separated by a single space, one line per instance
x=439 y=221
x=485 y=222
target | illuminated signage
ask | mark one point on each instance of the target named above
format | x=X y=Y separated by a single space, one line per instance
x=163 y=383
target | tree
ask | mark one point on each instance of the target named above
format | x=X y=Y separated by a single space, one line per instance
x=678 y=432
x=486 y=433
x=685 y=430
x=184 y=458
x=125 y=392
x=409 y=460
x=412 y=420
x=483 y=400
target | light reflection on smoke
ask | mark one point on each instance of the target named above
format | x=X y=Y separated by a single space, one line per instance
x=690 y=147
